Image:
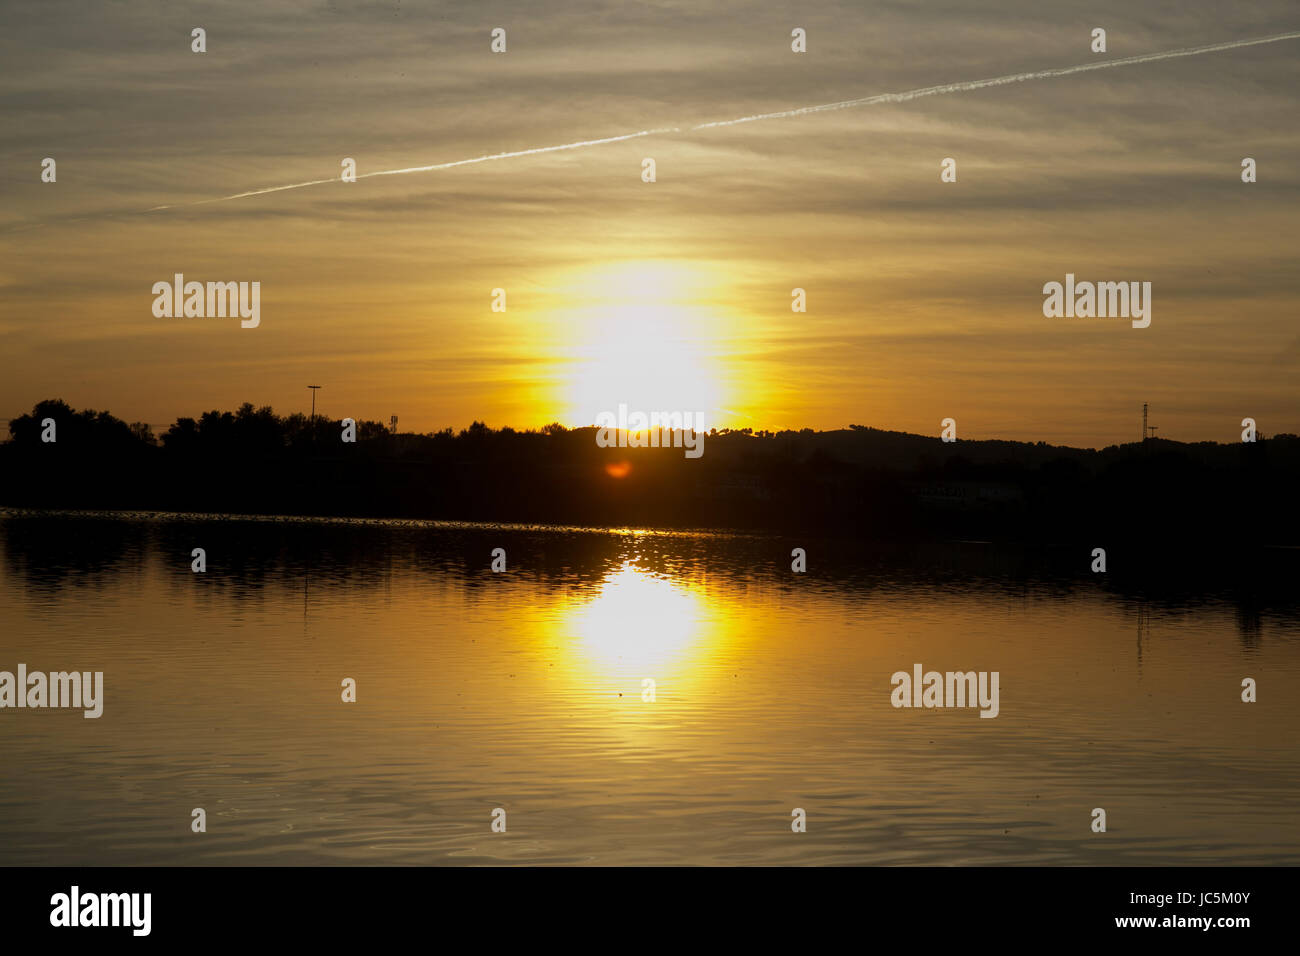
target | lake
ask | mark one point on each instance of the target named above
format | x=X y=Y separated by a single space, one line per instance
x=525 y=690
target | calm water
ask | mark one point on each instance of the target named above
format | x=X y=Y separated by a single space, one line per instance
x=523 y=691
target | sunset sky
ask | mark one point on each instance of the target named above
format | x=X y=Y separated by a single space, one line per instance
x=924 y=298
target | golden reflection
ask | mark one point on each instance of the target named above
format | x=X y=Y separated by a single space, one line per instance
x=639 y=625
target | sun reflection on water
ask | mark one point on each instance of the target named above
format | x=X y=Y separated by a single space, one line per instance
x=638 y=622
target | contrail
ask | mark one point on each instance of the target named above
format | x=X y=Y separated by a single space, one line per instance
x=966 y=85
x=435 y=166
x=904 y=97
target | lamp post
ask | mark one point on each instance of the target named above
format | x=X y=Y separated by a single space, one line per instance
x=313 y=402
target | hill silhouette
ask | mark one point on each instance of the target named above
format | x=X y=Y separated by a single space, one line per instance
x=859 y=481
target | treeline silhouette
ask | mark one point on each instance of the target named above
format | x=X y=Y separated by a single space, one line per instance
x=859 y=482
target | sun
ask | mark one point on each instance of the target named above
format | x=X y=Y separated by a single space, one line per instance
x=644 y=335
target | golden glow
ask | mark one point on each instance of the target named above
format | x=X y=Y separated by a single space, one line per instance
x=638 y=625
x=642 y=338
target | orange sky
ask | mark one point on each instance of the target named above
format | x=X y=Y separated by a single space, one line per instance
x=924 y=298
